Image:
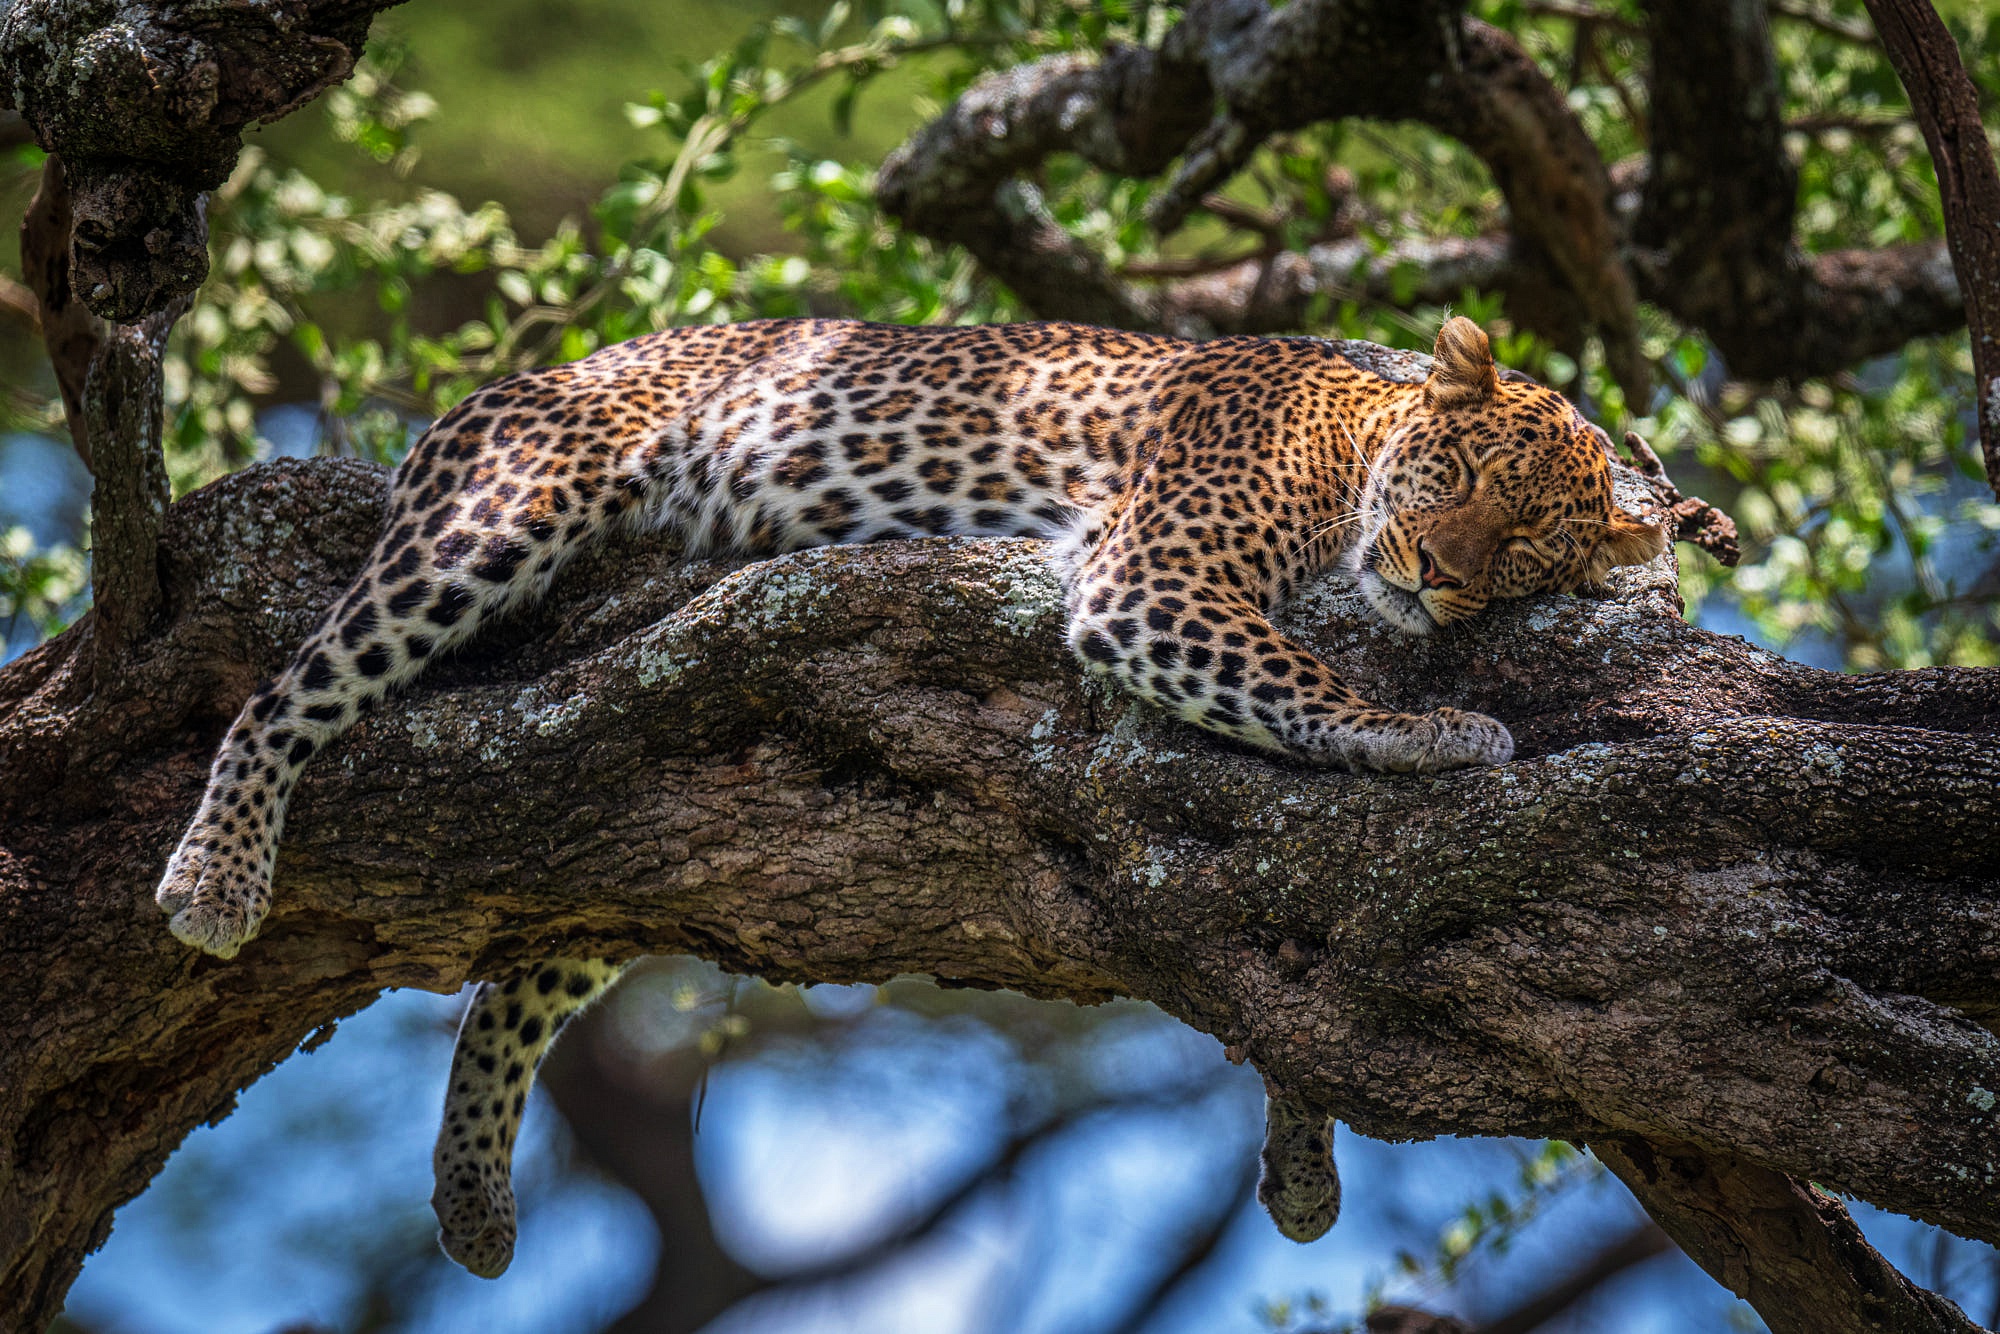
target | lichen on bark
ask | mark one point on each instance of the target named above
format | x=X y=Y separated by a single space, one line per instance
x=1721 y=903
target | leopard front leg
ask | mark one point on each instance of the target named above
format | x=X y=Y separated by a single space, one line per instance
x=1206 y=652
x=506 y=1031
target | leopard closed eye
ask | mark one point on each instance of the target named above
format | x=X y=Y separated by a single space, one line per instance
x=1187 y=488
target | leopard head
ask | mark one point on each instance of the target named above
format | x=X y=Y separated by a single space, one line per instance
x=1488 y=489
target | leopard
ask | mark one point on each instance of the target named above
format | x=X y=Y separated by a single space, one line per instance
x=1186 y=490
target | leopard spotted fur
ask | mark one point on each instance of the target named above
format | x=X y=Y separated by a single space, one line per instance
x=1189 y=488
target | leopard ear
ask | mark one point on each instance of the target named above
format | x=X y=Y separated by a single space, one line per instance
x=1627 y=541
x=1462 y=373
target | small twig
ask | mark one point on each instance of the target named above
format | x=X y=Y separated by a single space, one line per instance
x=1823 y=18
x=1580 y=13
x=1853 y=123
x=1265 y=223
x=1695 y=520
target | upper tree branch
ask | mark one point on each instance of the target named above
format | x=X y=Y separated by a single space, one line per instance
x=856 y=762
x=1715 y=228
x=1270 y=70
x=141 y=107
x=146 y=103
x=1559 y=200
x=1946 y=105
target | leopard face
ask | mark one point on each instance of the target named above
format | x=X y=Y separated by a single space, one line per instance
x=1487 y=490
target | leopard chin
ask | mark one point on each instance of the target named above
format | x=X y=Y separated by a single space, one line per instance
x=1396 y=606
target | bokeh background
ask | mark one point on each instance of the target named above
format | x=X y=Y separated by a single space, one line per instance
x=526 y=179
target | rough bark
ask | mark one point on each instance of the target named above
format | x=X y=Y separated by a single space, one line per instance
x=1802 y=1263
x=146 y=103
x=1946 y=105
x=1721 y=900
x=124 y=417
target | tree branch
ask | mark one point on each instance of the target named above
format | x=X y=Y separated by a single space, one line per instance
x=634 y=1126
x=1272 y=70
x=1788 y=1249
x=1714 y=235
x=856 y=762
x=146 y=103
x=110 y=379
x=70 y=332
x=1637 y=1246
x=1946 y=105
x=1498 y=103
x=124 y=418
x=1714 y=228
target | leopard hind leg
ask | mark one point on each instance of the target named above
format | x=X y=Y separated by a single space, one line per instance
x=1299 y=1187
x=506 y=1031
x=475 y=526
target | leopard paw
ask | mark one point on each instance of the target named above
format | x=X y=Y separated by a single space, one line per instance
x=476 y=1226
x=181 y=881
x=216 y=889
x=1405 y=743
x=1464 y=740
x=1299 y=1187
x=483 y=1255
x=214 y=925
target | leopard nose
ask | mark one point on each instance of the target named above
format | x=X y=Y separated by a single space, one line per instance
x=1428 y=572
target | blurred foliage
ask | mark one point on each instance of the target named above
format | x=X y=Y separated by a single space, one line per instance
x=1490 y=1224
x=41 y=587
x=1485 y=1227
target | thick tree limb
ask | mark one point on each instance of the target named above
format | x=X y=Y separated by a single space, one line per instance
x=1946 y=105
x=1721 y=900
x=1788 y=1249
x=146 y=103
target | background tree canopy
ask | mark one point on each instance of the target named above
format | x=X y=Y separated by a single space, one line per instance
x=515 y=184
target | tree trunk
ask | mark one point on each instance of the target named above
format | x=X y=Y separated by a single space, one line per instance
x=1721 y=902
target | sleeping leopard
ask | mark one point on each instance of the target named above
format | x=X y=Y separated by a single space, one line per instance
x=1187 y=490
